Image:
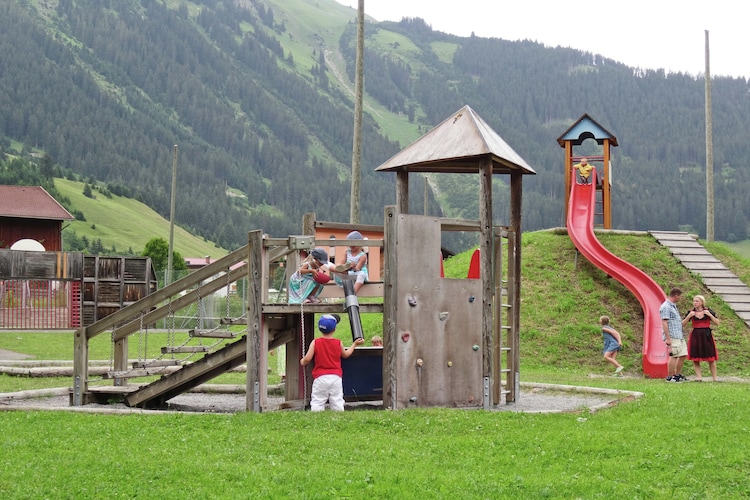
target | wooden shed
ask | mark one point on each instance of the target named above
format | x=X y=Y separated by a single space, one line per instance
x=30 y=212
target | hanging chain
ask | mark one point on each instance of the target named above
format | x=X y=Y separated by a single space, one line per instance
x=112 y=349
x=170 y=327
x=229 y=271
x=140 y=337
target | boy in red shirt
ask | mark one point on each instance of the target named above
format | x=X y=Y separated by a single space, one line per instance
x=327 y=353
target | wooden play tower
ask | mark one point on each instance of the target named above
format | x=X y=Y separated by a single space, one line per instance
x=452 y=342
x=448 y=342
x=582 y=129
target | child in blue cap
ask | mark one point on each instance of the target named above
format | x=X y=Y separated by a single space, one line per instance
x=327 y=352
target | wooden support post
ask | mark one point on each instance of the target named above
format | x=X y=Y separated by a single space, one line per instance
x=402 y=191
x=606 y=188
x=485 y=268
x=80 y=366
x=120 y=360
x=390 y=308
x=514 y=283
x=257 y=337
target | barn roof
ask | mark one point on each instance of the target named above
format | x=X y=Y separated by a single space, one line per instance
x=30 y=202
x=457 y=146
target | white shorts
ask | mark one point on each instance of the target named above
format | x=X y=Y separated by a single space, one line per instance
x=327 y=388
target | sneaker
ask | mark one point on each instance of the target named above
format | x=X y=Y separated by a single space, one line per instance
x=680 y=378
x=619 y=369
x=670 y=378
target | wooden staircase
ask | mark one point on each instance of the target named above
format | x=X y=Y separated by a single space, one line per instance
x=712 y=272
x=156 y=394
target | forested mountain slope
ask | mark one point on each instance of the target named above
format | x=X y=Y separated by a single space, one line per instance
x=257 y=94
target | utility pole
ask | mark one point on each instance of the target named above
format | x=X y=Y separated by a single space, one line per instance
x=171 y=216
x=709 y=152
x=358 y=97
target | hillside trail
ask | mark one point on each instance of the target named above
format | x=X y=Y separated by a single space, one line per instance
x=335 y=62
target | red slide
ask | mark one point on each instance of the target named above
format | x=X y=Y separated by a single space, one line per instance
x=649 y=294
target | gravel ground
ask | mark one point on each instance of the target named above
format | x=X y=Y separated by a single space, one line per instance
x=534 y=398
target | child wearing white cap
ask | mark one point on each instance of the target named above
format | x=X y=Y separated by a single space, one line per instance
x=327 y=352
x=356 y=262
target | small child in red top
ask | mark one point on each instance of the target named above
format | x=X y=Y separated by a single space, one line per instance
x=327 y=353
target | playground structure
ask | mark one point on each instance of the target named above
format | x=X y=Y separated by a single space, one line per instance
x=447 y=342
x=582 y=200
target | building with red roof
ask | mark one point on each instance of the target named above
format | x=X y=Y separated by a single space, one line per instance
x=30 y=212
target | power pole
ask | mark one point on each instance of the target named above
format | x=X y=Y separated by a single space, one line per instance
x=358 y=97
x=171 y=216
x=709 y=152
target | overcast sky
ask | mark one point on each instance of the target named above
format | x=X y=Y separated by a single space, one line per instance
x=653 y=34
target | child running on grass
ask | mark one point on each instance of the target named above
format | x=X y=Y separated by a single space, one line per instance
x=612 y=344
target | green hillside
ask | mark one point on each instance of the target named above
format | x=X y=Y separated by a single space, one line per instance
x=126 y=224
x=563 y=295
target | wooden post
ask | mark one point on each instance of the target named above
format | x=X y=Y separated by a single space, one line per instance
x=390 y=307
x=709 y=151
x=257 y=339
x=485 y=268
x=80 y=366
x=402 y=191
x=606 y=188
x=121 y=359
x=569 y=177
x=358 y=99
x=514 y=283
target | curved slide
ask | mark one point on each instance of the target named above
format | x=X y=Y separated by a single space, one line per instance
x=580 y=225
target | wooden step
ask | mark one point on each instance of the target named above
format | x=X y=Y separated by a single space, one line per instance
x=185 y=349
x=156 y=363
x=127 y=374
x=214 y=334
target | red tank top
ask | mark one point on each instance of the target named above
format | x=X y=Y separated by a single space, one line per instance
x=327 y=357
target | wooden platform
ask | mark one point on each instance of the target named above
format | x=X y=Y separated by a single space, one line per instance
x=712 y=272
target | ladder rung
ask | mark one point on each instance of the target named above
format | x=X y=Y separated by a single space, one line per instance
x=156 y=363
x=505 y=327
x=127 y=374
x=214 y=334
x=184 y=349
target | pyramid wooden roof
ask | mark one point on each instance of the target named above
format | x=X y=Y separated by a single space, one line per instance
x=586 y=128
x=30 y=202
x=458 y=145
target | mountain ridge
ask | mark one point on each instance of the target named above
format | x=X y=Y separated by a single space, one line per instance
x=249 y=93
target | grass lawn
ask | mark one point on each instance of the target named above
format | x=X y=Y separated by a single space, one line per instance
x=680 y=441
